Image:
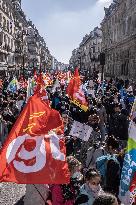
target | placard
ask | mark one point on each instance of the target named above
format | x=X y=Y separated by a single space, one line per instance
x=81 y=130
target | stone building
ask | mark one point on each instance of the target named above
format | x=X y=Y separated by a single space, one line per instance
x=21 y=25
x=32 y=45
x=75 y=59
x=90 y=49
x=119 y=39
x=7 y=31
x=87 y=56
x=21 y=46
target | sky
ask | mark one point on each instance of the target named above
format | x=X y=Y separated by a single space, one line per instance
x=64 y=23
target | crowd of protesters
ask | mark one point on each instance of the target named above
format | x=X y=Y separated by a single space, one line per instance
x=95 y=165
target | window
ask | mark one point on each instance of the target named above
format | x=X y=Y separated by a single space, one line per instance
x=1 y=38
x=6 y=8
x=124 y=68
x=123 y=27
x=115 y=34
x=11 y=28
x=3 y=5
x=134 y=20
x=130 y=2
x=116 y=18
x=0 y=3
x=5 y=39
x=1 y=19
x=113 y=20
x=8 y=41
x=12 y=44
x=4 y=23
x=129 y=23
x=93 y=49
x=7 y=25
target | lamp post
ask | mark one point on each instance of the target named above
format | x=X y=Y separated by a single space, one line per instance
x=23 y=57
x=24 y=33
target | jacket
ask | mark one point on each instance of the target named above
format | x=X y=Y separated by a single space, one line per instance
x=86 y=192
x=36 y=194
x=92 y=155
x=57 y=196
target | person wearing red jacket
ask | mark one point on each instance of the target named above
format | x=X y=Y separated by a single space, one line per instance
x=65 y=194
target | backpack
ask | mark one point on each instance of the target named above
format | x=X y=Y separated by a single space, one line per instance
x=101 y=165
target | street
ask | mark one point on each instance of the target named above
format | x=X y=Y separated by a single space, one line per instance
x=11 y=193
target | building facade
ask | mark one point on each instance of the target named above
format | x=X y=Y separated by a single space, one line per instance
x=7 y=32
x=75 y=59
x=87 y=55
x=21 y=46
x=119 y=39
x=21 y=25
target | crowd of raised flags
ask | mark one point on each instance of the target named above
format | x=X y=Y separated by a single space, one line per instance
x=19 y=83
x=41 y=127
x=36 y=122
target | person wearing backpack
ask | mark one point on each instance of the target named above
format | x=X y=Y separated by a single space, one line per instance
x=109 y=167
x=93 y=153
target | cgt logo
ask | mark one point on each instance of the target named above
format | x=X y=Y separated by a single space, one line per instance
x=80 y=95
x=17 y=152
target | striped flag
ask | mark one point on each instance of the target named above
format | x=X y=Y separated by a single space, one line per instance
x=13 y=85
x=127 y=190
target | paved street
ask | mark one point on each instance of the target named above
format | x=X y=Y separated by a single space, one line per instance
x=11 y=194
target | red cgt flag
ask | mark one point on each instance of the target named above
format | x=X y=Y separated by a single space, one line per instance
x=76 y=93
x=34 y=152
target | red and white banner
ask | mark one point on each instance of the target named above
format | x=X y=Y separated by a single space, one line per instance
x=34 y=152
x=76 y=93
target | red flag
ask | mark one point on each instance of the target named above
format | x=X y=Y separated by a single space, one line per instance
x=75 y=92
x=40 y=89
x=74 y=84
x=22 y=82
x=34 y=152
